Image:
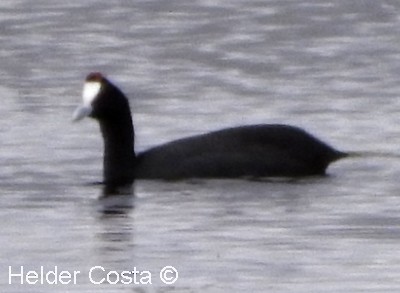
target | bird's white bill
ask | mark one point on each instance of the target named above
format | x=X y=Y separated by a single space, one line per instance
x=81 y=112
x=91 y=90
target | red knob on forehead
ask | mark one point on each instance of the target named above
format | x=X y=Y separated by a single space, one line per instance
x=94 y=76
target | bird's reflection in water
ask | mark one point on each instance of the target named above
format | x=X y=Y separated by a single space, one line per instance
x=116 y=200
x=115 y=222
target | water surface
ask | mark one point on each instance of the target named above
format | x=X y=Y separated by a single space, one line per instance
x=331 y=67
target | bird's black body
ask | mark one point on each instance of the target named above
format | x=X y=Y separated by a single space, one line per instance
x=245 y=151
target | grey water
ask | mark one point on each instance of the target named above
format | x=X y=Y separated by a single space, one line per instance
x=331 y=67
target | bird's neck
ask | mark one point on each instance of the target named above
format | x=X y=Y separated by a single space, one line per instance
x=119 y=155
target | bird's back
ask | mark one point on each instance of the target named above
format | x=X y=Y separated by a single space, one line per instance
x=254 y=151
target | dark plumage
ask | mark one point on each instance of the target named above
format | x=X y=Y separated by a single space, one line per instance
x=246 y=151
